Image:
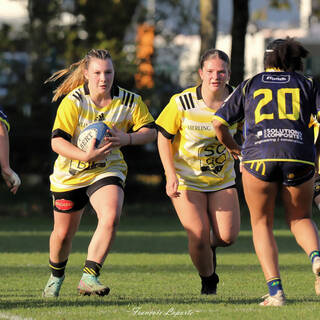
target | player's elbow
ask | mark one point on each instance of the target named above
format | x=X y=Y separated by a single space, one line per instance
x=151 y=135
x=55 y=144
x=154 y=134
x=217 y=125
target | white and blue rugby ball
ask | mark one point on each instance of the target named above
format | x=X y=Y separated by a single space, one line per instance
x=96 y=130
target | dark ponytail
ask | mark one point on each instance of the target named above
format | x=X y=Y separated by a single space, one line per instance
x=285 y=54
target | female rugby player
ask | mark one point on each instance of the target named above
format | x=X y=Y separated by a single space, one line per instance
x=95 y=175
x=199 y=170
x=278 y=154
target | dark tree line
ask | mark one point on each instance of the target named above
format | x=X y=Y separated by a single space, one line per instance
x=49 y=41
x=44 y=45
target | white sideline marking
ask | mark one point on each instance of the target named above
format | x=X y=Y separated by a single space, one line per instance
x=12 y=317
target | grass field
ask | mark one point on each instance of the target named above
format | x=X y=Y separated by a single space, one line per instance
x=149 y=272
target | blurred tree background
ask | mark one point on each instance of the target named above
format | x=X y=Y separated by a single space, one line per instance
x=60 y=32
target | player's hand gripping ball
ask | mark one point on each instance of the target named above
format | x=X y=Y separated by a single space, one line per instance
x=97 y=130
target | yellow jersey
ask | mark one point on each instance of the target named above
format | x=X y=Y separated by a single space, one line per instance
x=126 y=111
x=201 y=162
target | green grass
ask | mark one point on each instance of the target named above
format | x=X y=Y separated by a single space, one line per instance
x=149 y=272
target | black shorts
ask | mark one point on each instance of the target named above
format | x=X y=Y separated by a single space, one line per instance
x=286 y=172
x=230 y=187
x=74 y=200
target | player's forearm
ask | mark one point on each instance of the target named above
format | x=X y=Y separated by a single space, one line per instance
x=4 y=147
x=143 y=136
x=67 y=149
x=166 y=156
x=226 y=138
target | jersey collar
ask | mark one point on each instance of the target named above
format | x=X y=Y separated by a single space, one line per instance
x=199 y=95
x=273 y=70
x=114 y=90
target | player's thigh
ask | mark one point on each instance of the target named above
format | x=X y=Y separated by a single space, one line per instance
x=66 y=224
x=68 y=207
x=191 y=208
x=224 y=212
x=260 y=197
x=107 y=201
x=297 y=200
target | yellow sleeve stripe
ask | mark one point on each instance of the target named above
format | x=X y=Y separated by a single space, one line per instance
x=281 y=160
x=6 y=124
x=315 y=124
x=221 y=120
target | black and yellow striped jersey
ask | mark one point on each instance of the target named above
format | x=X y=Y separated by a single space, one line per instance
x=279 y=111
x=126 y=111
x=201 y=162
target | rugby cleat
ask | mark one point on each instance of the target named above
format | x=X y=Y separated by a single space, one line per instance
x=53 y=287
x=316 y=271
x=277 y=300
x=90 y=285
x=209 y=284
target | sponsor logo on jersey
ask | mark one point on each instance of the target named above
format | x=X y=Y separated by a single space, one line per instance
x=279 y=135
x=282 y=133
x=199 y=127
x=269 y=78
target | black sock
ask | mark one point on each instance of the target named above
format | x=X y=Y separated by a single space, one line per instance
x=92 y=267
x=57 y=269
x=211 y=279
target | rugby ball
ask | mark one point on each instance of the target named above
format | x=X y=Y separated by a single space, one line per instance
x=96 y=130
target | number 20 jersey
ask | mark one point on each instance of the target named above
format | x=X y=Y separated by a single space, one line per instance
x=279 y=111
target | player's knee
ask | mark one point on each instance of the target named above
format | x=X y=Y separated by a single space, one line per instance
x=109 y=224
x=63 y=235
x=198 y=243
x=292 y=223
x=227 y=240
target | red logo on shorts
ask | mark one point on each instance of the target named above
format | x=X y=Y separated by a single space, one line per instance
x=63 y=204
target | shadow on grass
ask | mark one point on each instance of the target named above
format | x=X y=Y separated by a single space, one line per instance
x=133 y=269
x=153 y=243
x=130 y=302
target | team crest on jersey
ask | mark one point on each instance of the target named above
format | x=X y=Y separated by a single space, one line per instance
x=271 y=78
x=212 y=158
x=100 y=117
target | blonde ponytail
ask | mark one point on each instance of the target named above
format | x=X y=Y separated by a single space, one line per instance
x=75 y=73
